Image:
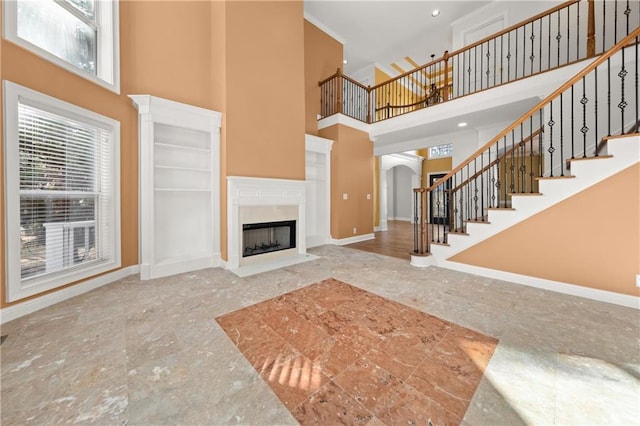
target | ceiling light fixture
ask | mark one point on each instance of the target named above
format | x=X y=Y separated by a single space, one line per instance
x=462 y=124
x=435 y=12
x=344 y=61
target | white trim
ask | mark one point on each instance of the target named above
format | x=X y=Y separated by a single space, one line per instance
x=315 y=21
x=245 y=191
x=401 y=219
x=334 y=119
x=16 y=289
x=557 y=286
x=377 y=229
x=24 y=308
x=421 y=261
x=151 y=110
x=351 y=240
x=108 y=44
x=321 y=146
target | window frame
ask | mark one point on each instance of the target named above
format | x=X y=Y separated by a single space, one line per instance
x=107 y=39
x=16 y=287
x=440 y=155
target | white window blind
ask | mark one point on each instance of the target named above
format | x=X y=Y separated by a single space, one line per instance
x=61 y=165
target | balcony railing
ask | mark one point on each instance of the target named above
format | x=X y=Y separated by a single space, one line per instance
x=565 y=34
x=574 y=122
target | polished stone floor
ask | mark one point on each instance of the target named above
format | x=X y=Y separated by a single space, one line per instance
x=151 y=352
x=336 y=354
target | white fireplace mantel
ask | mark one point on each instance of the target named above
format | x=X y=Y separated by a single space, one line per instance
x=251 y=192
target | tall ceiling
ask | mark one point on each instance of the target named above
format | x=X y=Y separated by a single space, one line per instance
x=385 y=31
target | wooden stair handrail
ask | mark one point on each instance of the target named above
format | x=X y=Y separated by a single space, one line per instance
x=596 y=63
x=346 y=77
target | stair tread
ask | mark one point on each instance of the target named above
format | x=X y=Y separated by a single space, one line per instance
x=500 y=208
x=599 y=157
x=527 y=194
x=477 y=221
x=441 y=244
x=555 y=177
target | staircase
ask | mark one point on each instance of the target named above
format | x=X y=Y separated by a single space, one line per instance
x=622 y=152
x=571 y=141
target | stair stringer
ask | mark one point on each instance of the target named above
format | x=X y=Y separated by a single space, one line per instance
x=625 y=153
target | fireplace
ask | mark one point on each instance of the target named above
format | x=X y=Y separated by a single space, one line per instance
x=267 y=237
x=266 y=224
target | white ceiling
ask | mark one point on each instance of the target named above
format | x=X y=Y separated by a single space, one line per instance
x=383 y=31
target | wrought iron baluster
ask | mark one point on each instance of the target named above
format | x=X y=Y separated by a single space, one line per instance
x=578 y=31
x=482 y=185
x=540 y=142
x=551 y=148
x=475 y=189
x=615 y=22
x=504 y=177
x=512 y=166
x=540 y=46
x=562 y=165
x=573 y=132
x=604 y=26
x=501 y=58
x=558 y=37
x=531 y=155
x=488 y=55
x=595 y=112
x=568 y=36
x=549 y=42
x=524 y=50
x=516 y=53
x=509 y=56
x=532 y=37
x=623 y=103
x=608 y=96
x=584 y=100
x=495 y=57
x=496 y=178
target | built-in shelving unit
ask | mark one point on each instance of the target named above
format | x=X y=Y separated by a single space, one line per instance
x=179 y=187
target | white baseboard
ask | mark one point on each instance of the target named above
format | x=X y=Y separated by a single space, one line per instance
x=401 y=219
x=20 y=309
x=557 y=286
x=316 y=240
x=351 y=240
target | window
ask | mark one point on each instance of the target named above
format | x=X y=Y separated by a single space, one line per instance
x=62 y=201
x=440 y=151
x=79 y=35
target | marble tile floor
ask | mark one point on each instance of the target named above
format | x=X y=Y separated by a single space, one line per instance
x=151 y=352
x=336 y=354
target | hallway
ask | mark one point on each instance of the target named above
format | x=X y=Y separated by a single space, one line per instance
x=396 y=241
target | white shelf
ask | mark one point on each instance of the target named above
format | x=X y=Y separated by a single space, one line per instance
x=182 y=190
x=181 y=168
x=184 y=147
x=179 y=175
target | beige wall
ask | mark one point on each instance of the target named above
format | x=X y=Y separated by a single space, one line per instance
x=591 y=239
x=322 y=57
x=351 y=174
x=437 y=165
x=265 y=89
x=245 y=59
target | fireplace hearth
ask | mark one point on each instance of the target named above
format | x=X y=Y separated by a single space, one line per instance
x=267 y=237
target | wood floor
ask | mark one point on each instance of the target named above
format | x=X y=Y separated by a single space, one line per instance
x=397 y=241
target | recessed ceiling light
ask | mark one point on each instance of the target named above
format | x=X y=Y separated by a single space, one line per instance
x=344 y=61
x=462 y=124
x=435 y=12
